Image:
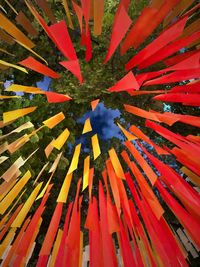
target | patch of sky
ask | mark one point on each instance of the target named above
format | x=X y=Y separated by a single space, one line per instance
x=103 y=124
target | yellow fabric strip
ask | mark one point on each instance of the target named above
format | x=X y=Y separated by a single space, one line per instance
x=68 y=14
x=25 y=209
x=7 y=64
x=8 y=97
x=75 y=159
x=55 y=248
x=11 y=29
x=15 y=114
x=62 y=197
x=128 y=135
x=116 y=163
x=87 y=126
x=8 y=239
x=53 y=121
x=7 y=201
x=61 y=139
x=45 y=188
x=25 y=89
x=95 y=146
x=86 y=171
x=32 y=51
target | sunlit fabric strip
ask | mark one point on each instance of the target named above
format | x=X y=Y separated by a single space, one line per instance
x=185 y=218
x=26 y=207
x=108 y=251
x=186 y=194
x=191 y=28
x=26 y=24
x=43 y=4
x=51 y=232
x=63 y=194
x=192 y=176
x=6 y=37
x=144 y=92
x=48 y=149
x=192 y=87
x=150 y=16
x=35 y=65
x=2 y=159
x=65 y=4
x=86 y=41
x=61 y=139
x=29 y=233
x=61 y=250
x=116 y=163
x=72 y=243
x=79 y=13
x=144 y=187
x=85 y=4
x=7 y=241
x=23 y=88
x=128 y=135
x=75 y=159
x=94 y=104
x=164 y=249
x=98 y=16
x=90 y=181
x=177 y=10
x=8 y=97
x=169 y=50
x=40 y=173
x=161 y=41
x=112 y=210
x=15 y=244
x=92 y=224
x=56 y=247
x=128 y=82
x=121 y=25
x=11 y=219
x=145 y=138
x=74 y=67
x=54 y=120
x=142 y=162
x=185 y=99
x=86 y=172
x=10 y=28
x=166 y=117
x=114 y=186
x=15 y=114
x=179 y=75
x=178 y=58
x=95 y=146
x=7 y=201
x=13 y=169
x=143 y=236
x=7 y=64
x=87 y=126
x=53 y=97
x=55 y=163
x=62 y=39
x=6 y=52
